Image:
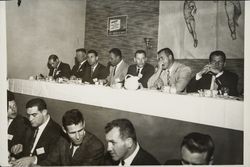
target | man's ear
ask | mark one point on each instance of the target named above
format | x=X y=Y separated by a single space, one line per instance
x=44 y=111
x=129 y=142
x=134 y=59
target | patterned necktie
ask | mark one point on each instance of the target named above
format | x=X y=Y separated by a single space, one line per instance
x=168 y=77
x=114 y=70
x=92 y=71
x=123 y=162
x=138 y=71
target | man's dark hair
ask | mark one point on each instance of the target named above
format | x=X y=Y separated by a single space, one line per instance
x=10 y=96
x=199 y=143
x=93 y=51
x=53 y=57
x=167 y=51
x=126 y=128
x=37 y=102
x=81 y=50
x=71 y=117
x=217 y=53
x=117 y=52
x=141 y=52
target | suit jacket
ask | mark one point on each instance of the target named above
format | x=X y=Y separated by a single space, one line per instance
x=100 y=72
x=141 y=158
x=63 y=70
x=16 y=132
x=147 y=71
x=173 y=162
x=120 y=73
x=179 y=77
x=227 y=79
x=90 y=152
x=79 y=72
x=46 y=142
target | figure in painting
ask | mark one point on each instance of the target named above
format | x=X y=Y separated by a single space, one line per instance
x=189 y=10
x=233 y=11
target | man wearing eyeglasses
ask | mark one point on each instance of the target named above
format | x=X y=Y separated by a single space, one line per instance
x=42 y=138
x=80 y=147
x=196 y=149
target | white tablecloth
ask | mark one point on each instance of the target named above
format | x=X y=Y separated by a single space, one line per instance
x=202 y=110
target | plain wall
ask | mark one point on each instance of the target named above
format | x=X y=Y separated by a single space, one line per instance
x=159 y=136
x=39 y=28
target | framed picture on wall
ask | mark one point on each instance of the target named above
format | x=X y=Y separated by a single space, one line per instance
x=117 y=25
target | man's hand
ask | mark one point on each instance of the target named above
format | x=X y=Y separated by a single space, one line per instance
x=24 y=162
x=158 y=83
x=73 y=77
x=159 y=66
x=16 y=149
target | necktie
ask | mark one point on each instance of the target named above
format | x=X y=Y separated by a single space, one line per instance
x=54 y=72
x=138 y=71
x=92 y=71
x=114 y=70
x=213 y=85
x=33 y=140
x=79 y=67
x=123 y=162
x=168 y=77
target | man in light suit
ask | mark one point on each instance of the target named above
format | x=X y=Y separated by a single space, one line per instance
x=43 y=137
x=141 y=68
x=118 y=69
x=58 y=69
x=81 y=64
x=122 y=146
x=80 y=147
x=96 y=71
x=213 y=76
x=170 y=72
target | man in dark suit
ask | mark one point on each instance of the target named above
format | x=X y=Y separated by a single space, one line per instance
x=141 y=69
x=196 y=149
x=96 y=71
x=122 y=145
x=79 y=148
x=17 y=128
x=213 y=76
x=44 y=135
x=58 y=69
x=81 y=64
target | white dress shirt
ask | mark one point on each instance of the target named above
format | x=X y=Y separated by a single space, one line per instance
x=130 y=159
x=39 y=133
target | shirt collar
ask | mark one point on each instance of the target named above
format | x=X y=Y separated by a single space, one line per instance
x=82 y=62
x=119 y=64
x=9 y=121
x=42 y=127
x=58 y=64
x=94 y=67
x=129 y=160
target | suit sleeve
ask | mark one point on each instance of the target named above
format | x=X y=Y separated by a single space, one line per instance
x=67 y=71
x=148 y=73
x=183 y=79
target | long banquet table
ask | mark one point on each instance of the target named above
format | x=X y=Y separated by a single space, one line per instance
x=202 y=110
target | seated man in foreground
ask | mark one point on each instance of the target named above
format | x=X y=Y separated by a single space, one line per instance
x=80 y=147
x=58 y=69
x=196 y=149
x=169 y=73
x=42 y=138
x=122 y=146
x=213 y=76
x=17 y=128
x=141 y=69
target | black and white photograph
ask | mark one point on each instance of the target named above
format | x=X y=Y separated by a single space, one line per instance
x=124 y=82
